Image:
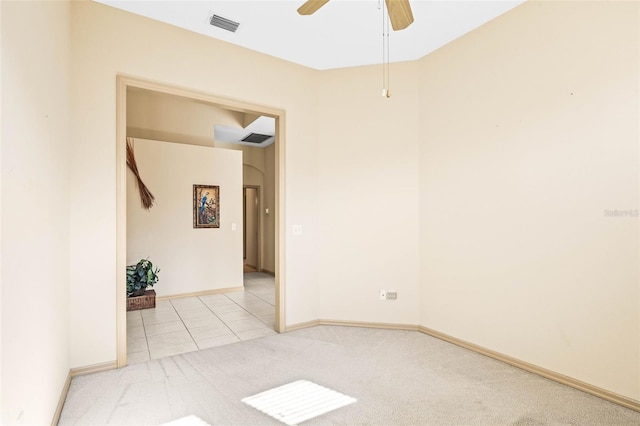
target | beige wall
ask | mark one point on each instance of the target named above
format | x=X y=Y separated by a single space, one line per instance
x=251 y=228
x=269 y=202
x=152 y=115
x=259 y=170
x=106 y=42
x=252 y=176
x=1 y=145
x=190 y=260
x=487 y=122
x=156 y=116
x=477 y=191
x=368 y=194
x=529 y=133
x=35 y=210
x=251 y=155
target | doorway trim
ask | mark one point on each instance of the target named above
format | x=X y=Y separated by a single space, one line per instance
x=123 y=82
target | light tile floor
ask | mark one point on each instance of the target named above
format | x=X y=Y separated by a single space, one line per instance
x=187 y=324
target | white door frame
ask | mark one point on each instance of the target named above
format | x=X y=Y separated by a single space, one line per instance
x=124 y=82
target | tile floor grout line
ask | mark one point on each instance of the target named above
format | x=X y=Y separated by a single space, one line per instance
x=261 y=298
x=175 y=310
x=258 y=318
x=187 y=327
x=145 y=330
x=264 y=300
x=251 y=313
x=246 y=310
x=145 y=336
x=225 y=323
x=243 y=309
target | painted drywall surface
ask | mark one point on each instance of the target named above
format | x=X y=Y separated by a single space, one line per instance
x=259 y=170
x=171 y=118
x=1 y=102
x=258 y=167
x=105 y=42
x=368 y=194
x=269 y=202
x=152 y=50
x=252 y=176
x=251 y=155
x=35 y=210
x=151 y=115
x=1 y=133
x=529 y=136
x=191 y=260
x=251 y=227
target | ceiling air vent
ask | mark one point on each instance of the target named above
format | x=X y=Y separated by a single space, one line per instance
x=224 y=23
x=256 y=138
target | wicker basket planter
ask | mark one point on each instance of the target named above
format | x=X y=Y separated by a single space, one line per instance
x=146 y=301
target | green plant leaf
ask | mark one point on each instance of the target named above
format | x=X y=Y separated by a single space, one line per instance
x=140 y=276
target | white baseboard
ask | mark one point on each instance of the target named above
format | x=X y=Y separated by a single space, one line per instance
x=63 y=397
x=80 y=371
x=200 y=293
x=531 y=368
x=95 y=368
x=552 y=375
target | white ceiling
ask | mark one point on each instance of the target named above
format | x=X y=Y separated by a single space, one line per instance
x=342 y=33
x=261 y=125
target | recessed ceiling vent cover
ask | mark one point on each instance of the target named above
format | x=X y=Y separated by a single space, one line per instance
x=224 y=23
x=256 y=138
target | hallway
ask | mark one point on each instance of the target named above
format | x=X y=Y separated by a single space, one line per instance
x=187 y=324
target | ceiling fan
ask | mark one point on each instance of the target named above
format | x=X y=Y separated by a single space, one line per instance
x=399 y=11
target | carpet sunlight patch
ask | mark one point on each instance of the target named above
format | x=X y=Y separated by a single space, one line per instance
x=298 y=401
x=187 y=421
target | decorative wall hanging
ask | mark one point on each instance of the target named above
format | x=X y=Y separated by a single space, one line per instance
x=146 y=197
x=206 y=206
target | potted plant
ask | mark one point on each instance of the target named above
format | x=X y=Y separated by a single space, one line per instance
x=139 y=277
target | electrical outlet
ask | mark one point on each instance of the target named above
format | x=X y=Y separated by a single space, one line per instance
x=392 y=295
x=383 y=294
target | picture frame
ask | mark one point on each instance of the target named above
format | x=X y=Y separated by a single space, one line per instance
x=206 y=206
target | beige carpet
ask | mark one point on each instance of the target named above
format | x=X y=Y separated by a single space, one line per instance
x=397 y=377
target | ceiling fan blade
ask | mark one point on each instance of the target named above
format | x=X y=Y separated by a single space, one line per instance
x=399 y=13
x=310 y=6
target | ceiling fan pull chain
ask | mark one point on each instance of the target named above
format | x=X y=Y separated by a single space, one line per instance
x=384 y=89
x=388 y=61
x=385 y=53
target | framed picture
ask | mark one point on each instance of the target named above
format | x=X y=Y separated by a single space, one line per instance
x=206 y=206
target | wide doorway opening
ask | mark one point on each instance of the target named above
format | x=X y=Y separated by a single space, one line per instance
x=251 y=290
